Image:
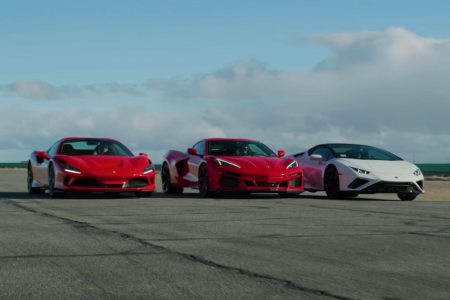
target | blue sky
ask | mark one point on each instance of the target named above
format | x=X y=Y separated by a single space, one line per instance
x=290 y=73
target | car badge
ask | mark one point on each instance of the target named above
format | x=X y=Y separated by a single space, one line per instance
x=114 y=172
x=396 y=177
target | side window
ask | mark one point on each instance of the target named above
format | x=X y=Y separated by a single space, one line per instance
x=200 y=146
x=52 y=151
x=326 y=153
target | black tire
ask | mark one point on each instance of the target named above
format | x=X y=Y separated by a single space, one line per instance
x=51 y=184
x=203 y=181
x=144 y=194
x=350 y=194
x=407 y=196
x=30 y=179
x=331 y=182
x=167 y=186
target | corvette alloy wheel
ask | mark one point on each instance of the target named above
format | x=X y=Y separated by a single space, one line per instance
x=331 y=182
x=165 y=180
x=203 y=181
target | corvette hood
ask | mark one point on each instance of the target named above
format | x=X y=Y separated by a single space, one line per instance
x=399 y=167
x=108 y=165
x=259 y=164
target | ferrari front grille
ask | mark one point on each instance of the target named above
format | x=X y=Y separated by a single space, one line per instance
x=87 y=182
x=136 y=182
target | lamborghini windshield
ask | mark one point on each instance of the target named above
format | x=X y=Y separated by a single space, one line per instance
x=238 y=148
x=93 y=147
x=361 y=152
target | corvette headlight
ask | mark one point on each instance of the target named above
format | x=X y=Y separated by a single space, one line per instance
x=360 y=171
x=148 y=169
x=293 y=164
x=73 y=170
x=417 y=172
x=224 y=163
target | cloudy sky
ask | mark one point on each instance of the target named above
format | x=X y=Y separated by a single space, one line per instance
x=161 y=75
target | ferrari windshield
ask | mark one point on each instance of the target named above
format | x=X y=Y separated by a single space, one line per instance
x=93 y=147
x=238 y=148
x=361 y=152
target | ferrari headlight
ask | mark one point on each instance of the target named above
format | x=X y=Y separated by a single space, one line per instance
x=148 y=169
x=417 y=172
x=360 y=171
x=73 y=170
x=224 y=163
x=293 y=164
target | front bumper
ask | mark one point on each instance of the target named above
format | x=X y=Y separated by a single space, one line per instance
x=69 y=182
x=226 y=181
x=394 y=187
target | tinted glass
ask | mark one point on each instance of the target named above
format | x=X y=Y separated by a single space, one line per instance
x=200 y=146
x=238 y=148
x=94 y=147
x=361 y=152
x=325 y=152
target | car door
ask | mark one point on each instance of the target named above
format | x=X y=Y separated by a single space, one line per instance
x=314 y=168
x=40 y=171
x=195 y=160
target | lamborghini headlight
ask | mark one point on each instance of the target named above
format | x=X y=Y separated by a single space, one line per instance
x=417 y=172
x=73 y=170
x=224 y=163
x=292 y=164
x=360 y=171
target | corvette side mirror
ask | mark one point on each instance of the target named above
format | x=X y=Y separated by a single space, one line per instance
x=192 y=151
x=317 y=157
x=281 y=153
x=143 y=154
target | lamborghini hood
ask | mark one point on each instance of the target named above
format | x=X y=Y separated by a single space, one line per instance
x=398 y=167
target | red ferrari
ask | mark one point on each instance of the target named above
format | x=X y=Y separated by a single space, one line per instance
x=224 y=164
x=90 y=164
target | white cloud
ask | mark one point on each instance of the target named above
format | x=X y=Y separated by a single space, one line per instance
x=386 y=88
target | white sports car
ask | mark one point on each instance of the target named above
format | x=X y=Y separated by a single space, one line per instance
x=346 y=170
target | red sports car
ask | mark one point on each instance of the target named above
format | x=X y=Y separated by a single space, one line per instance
x=225 y=164
x=90 y=164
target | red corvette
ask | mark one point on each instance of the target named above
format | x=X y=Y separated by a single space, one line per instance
x=90 y=164
x=225 y=164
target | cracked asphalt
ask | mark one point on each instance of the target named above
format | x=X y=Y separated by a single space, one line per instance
x=260 y=247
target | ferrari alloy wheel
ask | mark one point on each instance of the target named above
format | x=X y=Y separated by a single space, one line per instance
x=30 y=179
x=331 y=182
x=51 y=183
x=203 y=181
x=407 y=196
x=165 y=180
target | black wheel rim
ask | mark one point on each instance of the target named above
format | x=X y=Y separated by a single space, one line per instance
x=332 y=182
x=51 y=181
x=29 y=179
x=203 y=181
x=165 y=178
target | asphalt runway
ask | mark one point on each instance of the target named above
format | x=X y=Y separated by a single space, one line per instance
x=260 y=247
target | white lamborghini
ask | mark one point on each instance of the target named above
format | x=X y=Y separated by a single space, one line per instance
x=347 y=170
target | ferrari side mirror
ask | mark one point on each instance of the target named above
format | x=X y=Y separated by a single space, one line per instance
x=192 y=151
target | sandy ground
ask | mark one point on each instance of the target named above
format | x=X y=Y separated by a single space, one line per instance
x=435 y=189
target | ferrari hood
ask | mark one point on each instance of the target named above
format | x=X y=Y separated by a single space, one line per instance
x=258 y=164
x=398 y=167
x=108 y=165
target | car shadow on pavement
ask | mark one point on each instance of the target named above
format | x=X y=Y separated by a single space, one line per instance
x=356 y=199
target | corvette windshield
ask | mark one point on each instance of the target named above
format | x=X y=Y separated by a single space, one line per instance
x=93 y=147
x=238 y=148
x=361 y=152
